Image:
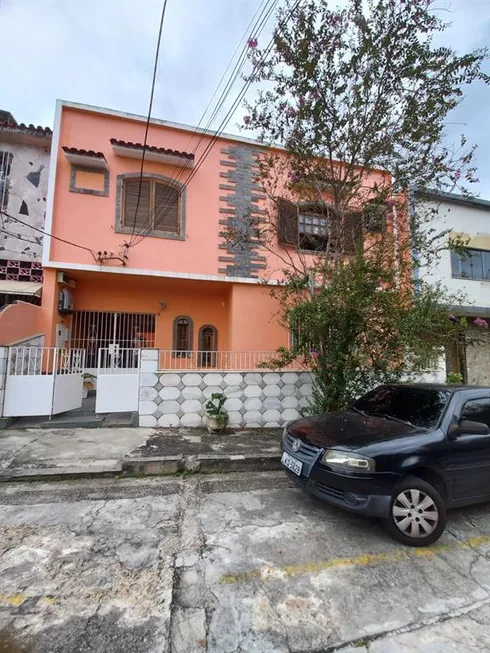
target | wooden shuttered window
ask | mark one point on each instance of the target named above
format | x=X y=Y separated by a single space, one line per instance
x=288 y=233
x=158 y=206
x=351 y=236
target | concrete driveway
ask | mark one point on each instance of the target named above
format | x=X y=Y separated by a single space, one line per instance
x=230 y=564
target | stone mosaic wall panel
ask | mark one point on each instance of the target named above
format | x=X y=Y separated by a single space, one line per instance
x=254 y=399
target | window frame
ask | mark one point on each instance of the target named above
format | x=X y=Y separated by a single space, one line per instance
x=6 y=159
x=469 y=400
x=121 y=228
x=457 y=259
x=182 y=353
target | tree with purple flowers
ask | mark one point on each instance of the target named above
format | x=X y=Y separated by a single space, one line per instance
x=358 y=98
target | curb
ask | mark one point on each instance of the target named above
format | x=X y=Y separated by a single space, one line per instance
x=157 y=466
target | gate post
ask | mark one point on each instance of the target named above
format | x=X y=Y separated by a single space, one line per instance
x=4 y=352
x=148 y=380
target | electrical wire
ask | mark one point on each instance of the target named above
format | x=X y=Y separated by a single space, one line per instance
x=45 y=233
x=224 y=122
x=155 y=68
x=254 y=28
x=18 y=237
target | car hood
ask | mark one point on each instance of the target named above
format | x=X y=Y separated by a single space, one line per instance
x=349 y=429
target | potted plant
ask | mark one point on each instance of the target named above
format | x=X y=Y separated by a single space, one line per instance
x=88 y=383
x=217 y=417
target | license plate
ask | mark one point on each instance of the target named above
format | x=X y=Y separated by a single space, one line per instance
x=291 y=463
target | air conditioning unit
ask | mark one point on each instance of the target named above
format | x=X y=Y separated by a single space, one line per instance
x=65 y=303
x=64 y=278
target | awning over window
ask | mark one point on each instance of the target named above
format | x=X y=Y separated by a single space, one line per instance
x=30 y=288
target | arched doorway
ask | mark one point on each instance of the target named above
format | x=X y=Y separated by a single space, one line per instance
x=208 y=346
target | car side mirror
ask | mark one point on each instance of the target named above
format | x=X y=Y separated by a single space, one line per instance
x=467 y=427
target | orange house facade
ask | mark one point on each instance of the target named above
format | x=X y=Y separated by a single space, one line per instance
x=139 y=260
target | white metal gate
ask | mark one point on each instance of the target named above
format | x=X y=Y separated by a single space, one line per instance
x=117 y=380
x=43 y=381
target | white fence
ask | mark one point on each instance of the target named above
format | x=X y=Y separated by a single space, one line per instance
x=43 y=381
x=243 y=361
x=117 y=380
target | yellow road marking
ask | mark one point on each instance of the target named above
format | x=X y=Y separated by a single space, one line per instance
x=265 y=573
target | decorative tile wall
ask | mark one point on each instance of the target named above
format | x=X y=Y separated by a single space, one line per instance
x=254 y=399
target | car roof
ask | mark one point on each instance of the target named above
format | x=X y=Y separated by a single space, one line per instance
x=451 y=387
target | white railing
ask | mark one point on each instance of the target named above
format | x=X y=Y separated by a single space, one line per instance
x=118 y=360
x=34 y=361
x=239 y=361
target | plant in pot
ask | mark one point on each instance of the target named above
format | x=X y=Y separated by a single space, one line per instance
x=217 y=417
x=88 y=383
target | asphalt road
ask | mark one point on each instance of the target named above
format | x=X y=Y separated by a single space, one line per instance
x=229 y=564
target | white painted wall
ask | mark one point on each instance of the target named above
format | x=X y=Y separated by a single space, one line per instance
x=473 y=221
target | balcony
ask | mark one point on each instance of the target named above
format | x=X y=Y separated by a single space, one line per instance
x=221 y=361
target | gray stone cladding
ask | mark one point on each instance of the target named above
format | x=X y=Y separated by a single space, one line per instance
x=254 y=399
x=239 y=210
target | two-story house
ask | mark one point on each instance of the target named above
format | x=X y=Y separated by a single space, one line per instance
x=466 y=274
x=141 y=260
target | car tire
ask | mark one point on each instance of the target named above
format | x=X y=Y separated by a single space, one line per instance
x=417 y=513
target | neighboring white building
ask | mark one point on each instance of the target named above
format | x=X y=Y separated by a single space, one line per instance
x=24 y=168
x=470 y=275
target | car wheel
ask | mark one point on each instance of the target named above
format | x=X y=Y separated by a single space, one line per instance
x=417 y=513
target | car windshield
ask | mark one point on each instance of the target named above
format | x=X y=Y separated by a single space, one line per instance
x=421 y=407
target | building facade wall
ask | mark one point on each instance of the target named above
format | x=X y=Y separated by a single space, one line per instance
x=27 y=191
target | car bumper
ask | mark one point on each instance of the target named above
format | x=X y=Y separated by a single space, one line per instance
x=334 y=490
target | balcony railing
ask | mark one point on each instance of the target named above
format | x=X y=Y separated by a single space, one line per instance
x=238 y=361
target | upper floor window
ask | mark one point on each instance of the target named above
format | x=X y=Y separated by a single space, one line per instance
x=153 y=206
x=473 y=264
x=5 y=168
x=316 y=227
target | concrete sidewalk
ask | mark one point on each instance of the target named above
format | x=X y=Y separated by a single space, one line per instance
x=36 y=454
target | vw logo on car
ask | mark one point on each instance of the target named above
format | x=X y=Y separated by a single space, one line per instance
x=296 y=445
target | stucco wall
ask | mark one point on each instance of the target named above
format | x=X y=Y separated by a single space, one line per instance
x=28 y=186
x=19 y=322
x=468 y=221
x=254 y=399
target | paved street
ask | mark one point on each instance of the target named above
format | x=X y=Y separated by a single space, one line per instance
x=229 y=564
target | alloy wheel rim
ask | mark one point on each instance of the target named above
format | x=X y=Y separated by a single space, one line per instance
x=415 y=513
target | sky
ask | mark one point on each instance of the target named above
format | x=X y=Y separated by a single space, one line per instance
x=101 y=52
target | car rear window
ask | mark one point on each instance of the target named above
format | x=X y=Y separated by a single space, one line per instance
x=422 y=407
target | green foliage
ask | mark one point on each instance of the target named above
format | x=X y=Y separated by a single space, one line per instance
x=454 y=377
x=366 y=86
x=214 y=406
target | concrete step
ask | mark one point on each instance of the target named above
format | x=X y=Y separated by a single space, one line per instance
x=73 y=421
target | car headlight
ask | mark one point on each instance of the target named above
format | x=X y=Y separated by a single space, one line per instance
x=346 y=460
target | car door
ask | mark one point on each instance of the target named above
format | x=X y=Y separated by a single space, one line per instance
x=469 y=453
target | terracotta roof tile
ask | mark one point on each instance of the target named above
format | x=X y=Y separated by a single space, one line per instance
x=75 y=150
x=153 y=148
x=26 y=129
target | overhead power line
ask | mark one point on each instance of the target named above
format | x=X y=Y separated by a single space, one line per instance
x=254 y=28
x=155 y=68
x=45 y=233
x=224 y=122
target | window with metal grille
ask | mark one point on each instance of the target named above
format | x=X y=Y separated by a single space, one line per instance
x=158 y=208
x=5 y=168
x=182 y=336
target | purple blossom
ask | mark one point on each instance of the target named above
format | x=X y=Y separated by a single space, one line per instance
x=291 y=113
x=301 y=101
x=252 y=43
x=480 y=322
x=457 y=174
x=452 y=317
x=294 y=177
x=390 y=203
x=314 y=354
x=246 y=120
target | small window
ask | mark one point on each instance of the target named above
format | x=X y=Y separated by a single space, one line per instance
x=151 y=205
x=477 y=410
x=208 y=346
x=473 y=264
x=313 y=229
x=182 y=336
x=5 y=169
